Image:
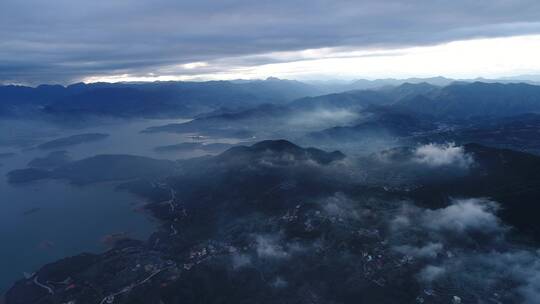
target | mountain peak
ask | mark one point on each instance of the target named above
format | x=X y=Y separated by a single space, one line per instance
x=272 y=150
x=275 y=145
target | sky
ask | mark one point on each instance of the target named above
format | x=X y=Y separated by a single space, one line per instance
x=65 y=41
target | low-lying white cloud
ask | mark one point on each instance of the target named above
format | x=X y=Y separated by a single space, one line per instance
x=430 y=250
x=436 y=155
x=341 y=206
x=269 y=246
x=431 y=273
x=464 y=215
x=322 y=118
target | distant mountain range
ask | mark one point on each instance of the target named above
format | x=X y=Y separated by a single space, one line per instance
x=404 y=110
x=457 y=100
x=437 y=96
x=466 y=100
x=147 y=99
x=364 y=84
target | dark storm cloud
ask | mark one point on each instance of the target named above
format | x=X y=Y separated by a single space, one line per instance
x=46 y=41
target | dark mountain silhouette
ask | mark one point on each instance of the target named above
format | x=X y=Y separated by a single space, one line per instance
x=518 y=132
x=124 y=167
x=511 y=178
x=282 y=151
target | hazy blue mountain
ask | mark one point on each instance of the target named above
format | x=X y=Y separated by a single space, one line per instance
x=228 y=123
x=348 y=100
x=408 y=90
x=190 y=146
x=148 y=99
x=466 y=100
x=381 y=122
x=379 y=83
x=52 y=160
x=439 y=98
x=338 y=112
x=520 y=132
x=72 y=140
x=98 y=169
x=457 y=100
x=6 y=155
x=338 y=86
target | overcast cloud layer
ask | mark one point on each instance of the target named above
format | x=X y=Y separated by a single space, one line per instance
x=68 y=40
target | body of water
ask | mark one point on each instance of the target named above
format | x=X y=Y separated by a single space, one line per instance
x=44 y=221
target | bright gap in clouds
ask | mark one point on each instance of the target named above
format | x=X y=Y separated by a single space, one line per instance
x=490 y=58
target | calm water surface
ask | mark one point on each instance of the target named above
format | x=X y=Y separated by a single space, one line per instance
x=44 y=221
